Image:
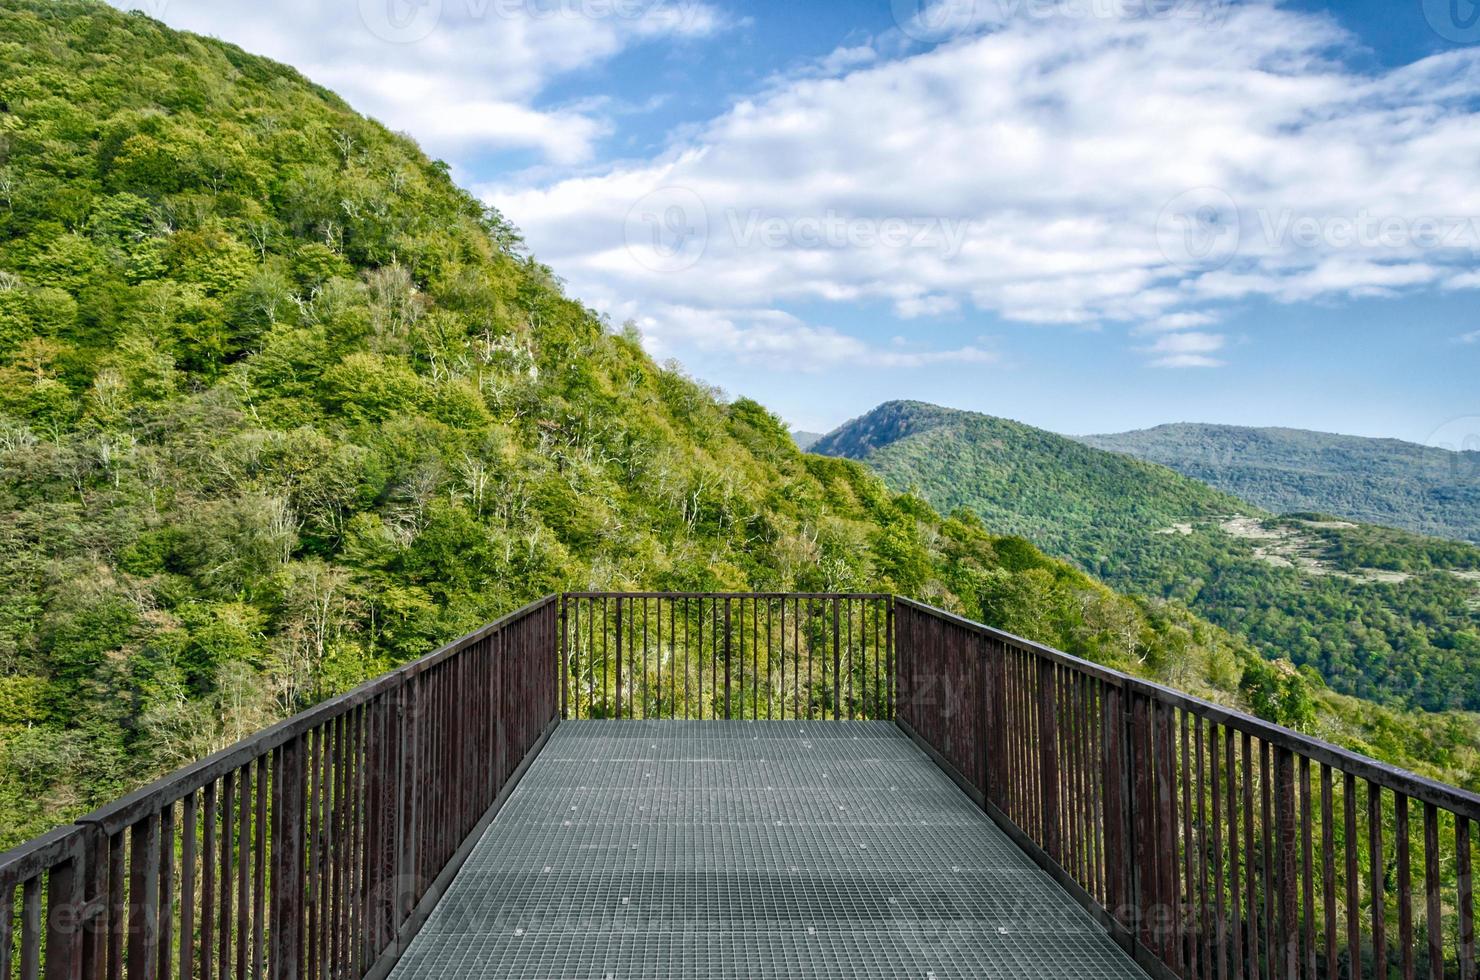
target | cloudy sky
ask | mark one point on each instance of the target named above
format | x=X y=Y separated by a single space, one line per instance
x=1087 y=214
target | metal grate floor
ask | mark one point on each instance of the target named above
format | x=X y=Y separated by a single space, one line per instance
x=747 y=850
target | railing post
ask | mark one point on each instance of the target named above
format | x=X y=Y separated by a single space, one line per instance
x=903 y=666
x=619 y=657
x=1119 y=878
x=1165 y=843
x=499 y=652
x=143 y=898
x=413 y=696
x=1048 y=757
x=1289 y=932
x=557 y=640
x=890 y=661
x=287 y=859
x=562 y=655
x=93 y=916
x=988 y=716
x=837 y=663
x=1139 y=806
x=727 y=658
x=66 y=910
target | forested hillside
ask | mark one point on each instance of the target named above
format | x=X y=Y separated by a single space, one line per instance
x=1380 y=481
x=1066 y=497
x=1382 y=614
x=281 y=408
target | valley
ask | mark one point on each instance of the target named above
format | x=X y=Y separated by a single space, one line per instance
x=1427 y=489
x=1378 y=612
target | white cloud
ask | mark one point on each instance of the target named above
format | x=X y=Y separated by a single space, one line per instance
x=458 y=75
x=1187 y=361
x=1056 y=144
x=1179 y=321
x=1187 y=349
x=1473 y=337
x=911 y=307
x=779 y=341
x=843 y=59
x=1032 y=165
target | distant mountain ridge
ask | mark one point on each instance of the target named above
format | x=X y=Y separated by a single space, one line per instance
x=805 y=440
x=1379 y=481
x=1022 y=480
x=1379 y=612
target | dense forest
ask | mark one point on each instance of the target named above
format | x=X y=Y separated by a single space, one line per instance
x=1380 y=481
x=1380 y=613
x=281 y=408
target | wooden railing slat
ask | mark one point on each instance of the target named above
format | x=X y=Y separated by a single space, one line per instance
x=1196 y=832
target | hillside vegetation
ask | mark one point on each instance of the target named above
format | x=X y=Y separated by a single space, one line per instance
x=1066 y=497
x=1380 y=613
x=281 y=408
x=1379 y=481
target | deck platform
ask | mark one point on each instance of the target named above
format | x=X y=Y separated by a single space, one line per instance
x=748 y=850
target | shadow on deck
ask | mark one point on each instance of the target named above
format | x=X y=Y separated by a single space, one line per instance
x=750 y=849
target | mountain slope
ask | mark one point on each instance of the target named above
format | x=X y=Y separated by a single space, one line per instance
x=1381 y=613
x=1050 y=489
x=1378 y=481
x=805 y=440
x=281 y=407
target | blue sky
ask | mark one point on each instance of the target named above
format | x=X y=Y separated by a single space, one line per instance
x=1089 y=215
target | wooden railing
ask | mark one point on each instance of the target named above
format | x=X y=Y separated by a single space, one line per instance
x=313 y=849
x=1212 y=844
x=716 y=655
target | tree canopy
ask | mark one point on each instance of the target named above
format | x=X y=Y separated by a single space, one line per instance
x=281 y=408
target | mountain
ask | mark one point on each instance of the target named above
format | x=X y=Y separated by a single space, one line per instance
x=282 y=407
x=1381 y=613
x=1378 y=481
x=1062 y=495
x=805 y=440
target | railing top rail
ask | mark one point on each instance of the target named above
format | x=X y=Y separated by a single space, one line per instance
x=1112 y=677
x=1458 y=801
x=129 y=809
x=728 y=595
x=34 y=857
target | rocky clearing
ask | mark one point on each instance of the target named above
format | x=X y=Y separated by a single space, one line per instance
x=1285 y=546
